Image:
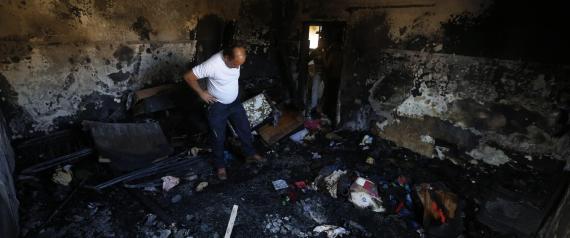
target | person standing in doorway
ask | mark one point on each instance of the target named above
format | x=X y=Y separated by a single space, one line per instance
x=222 y=71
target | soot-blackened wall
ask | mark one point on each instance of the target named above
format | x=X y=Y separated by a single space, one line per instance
x=63 y=61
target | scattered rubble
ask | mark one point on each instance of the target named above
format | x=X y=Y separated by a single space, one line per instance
x=63 y=175
x=330 y=182
x=489 y=155
x=299 y=136
x=282 y=226
x=280 y=184
x=313 y=209
x=381 y=191
x=201 y=186
x=169 y=182
x=331 y=231
x=364 y=194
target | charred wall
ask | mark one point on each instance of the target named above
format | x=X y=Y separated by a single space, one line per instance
x=467 y=101
x=63 y=61
x=476 y=75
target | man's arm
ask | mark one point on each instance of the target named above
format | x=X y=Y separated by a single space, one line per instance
x=192 y=81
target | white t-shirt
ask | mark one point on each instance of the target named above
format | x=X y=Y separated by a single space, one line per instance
x=222 y=80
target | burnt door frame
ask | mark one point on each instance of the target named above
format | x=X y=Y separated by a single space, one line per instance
x=303 y=77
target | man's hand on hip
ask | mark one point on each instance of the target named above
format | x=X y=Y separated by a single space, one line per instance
x=207 y=97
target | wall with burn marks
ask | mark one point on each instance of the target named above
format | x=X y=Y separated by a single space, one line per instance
x=64 y=83
x=483 y=77
x=63 y=61
x=371 y=26
x=470 y=103
x=487 y=28
x=494 y=98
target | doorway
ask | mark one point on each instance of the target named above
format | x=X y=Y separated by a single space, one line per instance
x=321 y=63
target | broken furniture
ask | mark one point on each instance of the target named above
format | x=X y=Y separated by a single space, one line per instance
x=129 y=146
x=166 y=166
x=153 y=99
x=58 y=161
x=289 y=121
x=257 y=109
x=54 y=149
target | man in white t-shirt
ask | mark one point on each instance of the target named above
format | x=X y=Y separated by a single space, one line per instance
x=222 y=72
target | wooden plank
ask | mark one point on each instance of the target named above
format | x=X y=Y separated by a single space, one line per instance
x=231 y=222
x=147 y=92
x=289 y=121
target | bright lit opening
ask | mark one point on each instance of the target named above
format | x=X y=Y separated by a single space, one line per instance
x=314 y=36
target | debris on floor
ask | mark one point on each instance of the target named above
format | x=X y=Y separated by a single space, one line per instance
x=364 y=194
x=288 y=122
x=169 y=182
x=330 y=182
x=63 y=175
x=201 y=186
x=280 y=184
x=231 y=222
x=382 y=191
x=331 y=231
x=299 y=136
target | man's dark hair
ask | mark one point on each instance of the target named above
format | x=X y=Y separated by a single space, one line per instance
x=228 y=49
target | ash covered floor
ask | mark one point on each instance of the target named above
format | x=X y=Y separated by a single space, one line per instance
x=518 y=193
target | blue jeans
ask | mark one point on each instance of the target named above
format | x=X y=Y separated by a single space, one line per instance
x=218 y=115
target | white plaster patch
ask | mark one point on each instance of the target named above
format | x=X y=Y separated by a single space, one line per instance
x=429 y=103
x=427 y=139
x=489 y=155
